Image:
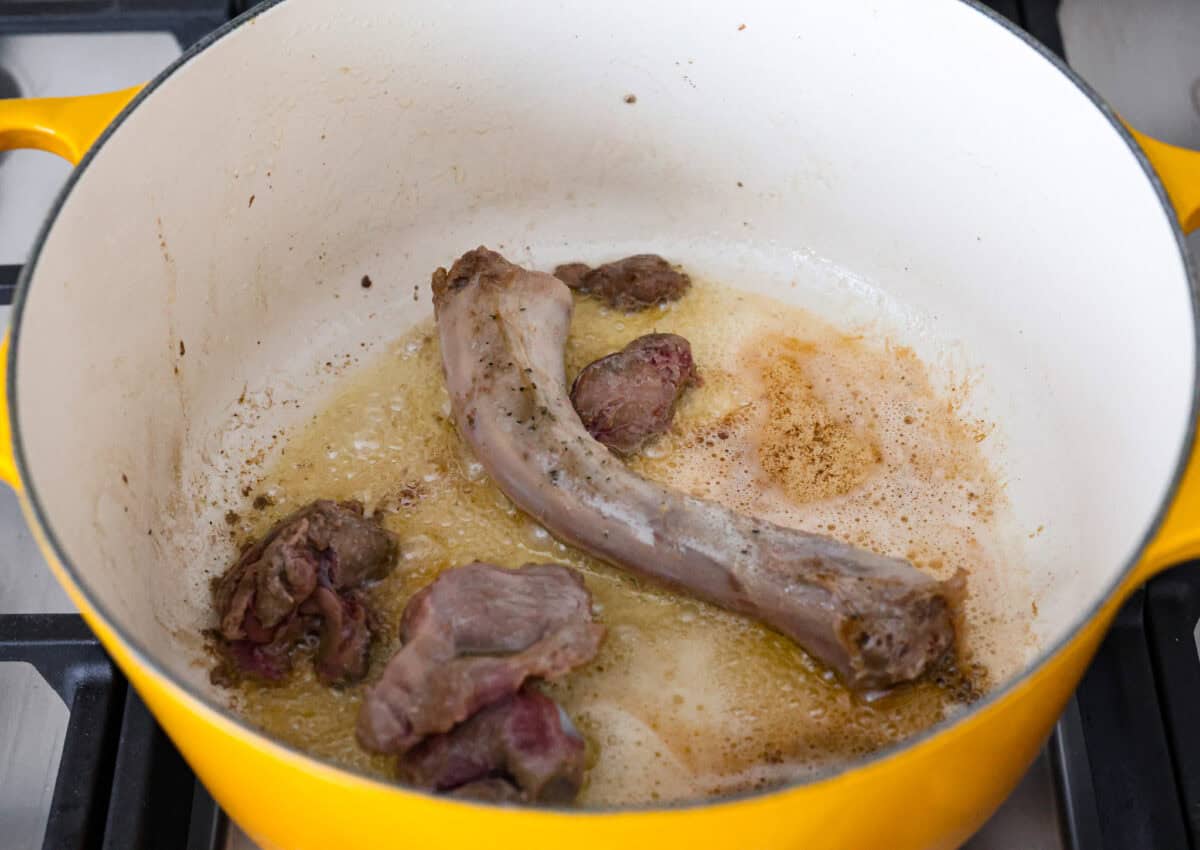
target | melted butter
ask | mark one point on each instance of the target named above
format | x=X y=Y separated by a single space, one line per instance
x=684 y=700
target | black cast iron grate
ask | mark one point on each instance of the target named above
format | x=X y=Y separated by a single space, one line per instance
x=187 y=20
x=121 y=783
x=1128 y=748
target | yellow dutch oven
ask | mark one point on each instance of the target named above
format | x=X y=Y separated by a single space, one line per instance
x=921 y=165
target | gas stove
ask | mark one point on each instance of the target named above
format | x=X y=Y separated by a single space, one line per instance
x=84 y=765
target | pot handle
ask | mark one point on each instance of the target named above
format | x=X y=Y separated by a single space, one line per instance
x=8 y=461
x=1178 y=539
x=66 y=126
x=1179 y=170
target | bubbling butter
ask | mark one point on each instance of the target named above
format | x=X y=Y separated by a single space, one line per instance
x=797 y=423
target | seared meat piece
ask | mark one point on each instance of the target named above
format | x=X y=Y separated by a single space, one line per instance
x=494 y=790
x=346 y=632
x=267 y=660
x=472 y=638
x=573 y=274
x=633 y=283
x=301 y=579
x=628 y=397
x=521 y=749
x=325 y=541
x=876 y=621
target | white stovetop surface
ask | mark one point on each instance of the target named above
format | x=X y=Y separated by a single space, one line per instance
x=1142 y=56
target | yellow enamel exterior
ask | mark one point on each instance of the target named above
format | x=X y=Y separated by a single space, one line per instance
x=929 y=795
x=8 y=464
x=1179 y=170
x=1178 y=539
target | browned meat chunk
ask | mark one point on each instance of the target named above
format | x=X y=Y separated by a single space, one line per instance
x=521 y=749
x=299 y=581
x=494 y=790
x=875 y=620
x=628 y=397
x=472 y=638
x=268 y=660
x=633 y=283
x=346 y=632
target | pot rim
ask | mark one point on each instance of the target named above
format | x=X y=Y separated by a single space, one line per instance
x=148 y=661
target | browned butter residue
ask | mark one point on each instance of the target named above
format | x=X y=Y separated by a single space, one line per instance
x=796 y=422
x=808 y=448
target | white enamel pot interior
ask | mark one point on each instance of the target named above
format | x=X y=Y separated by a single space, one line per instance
x=912 y=170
